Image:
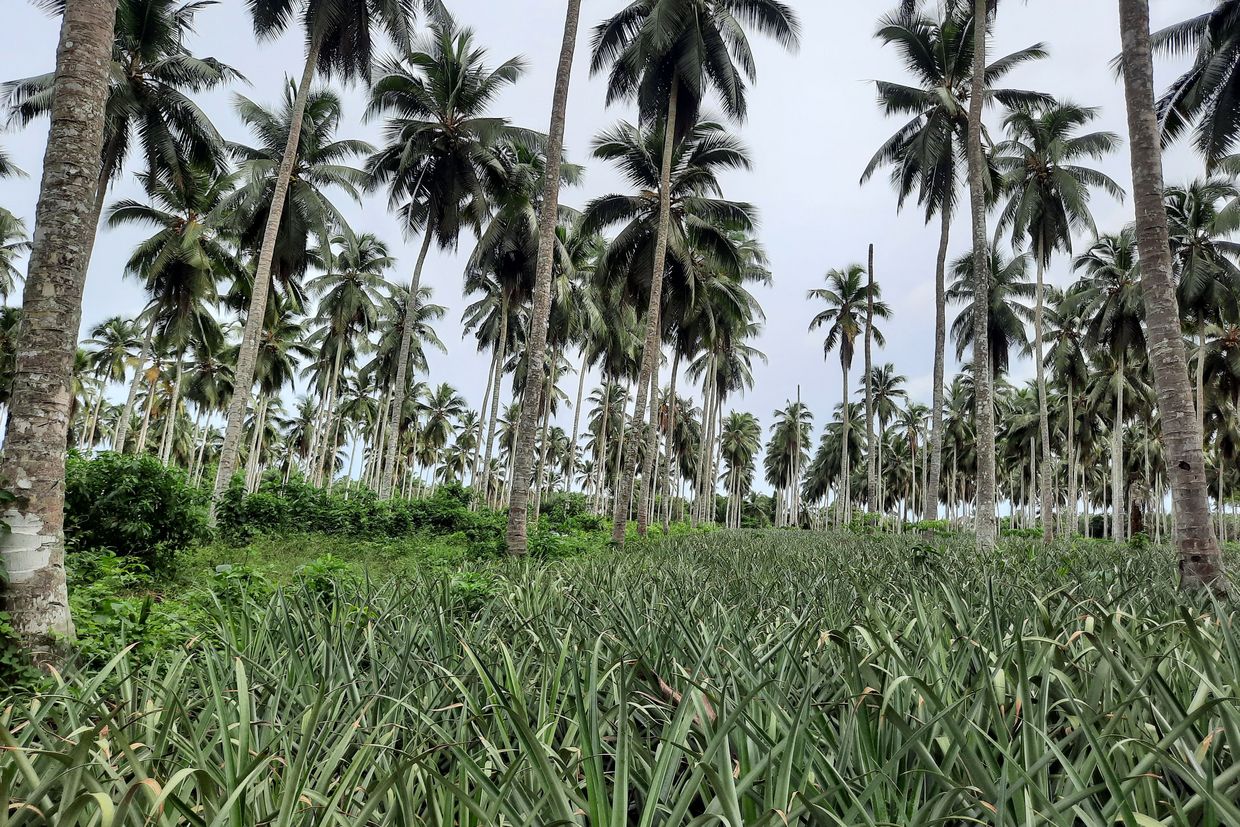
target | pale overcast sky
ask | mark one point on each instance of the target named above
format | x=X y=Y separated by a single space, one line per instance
x=813 y=125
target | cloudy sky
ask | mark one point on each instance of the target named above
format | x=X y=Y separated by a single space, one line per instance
x=812 y=127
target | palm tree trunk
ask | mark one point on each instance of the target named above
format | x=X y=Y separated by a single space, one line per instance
x=651 y=348
x=669 y=444
x=617 y=503
x=546 y=427
x=247 y=356
x=985 y=415
x=1072 y=458
x=388 y=478
x=493 y=419
x=523 y=449
x=707 y=402
x=94 y=420
x=651 y=452
x=931 y=495
x=475 y=466
x=845 y=471
x=1117 y=459
x=146 y=416
x=1201 y=378
x=1200 y=560
x=170 y=419
x=1044 y=421
x=871 y=467
x=122 y=426
x=33 y=464
x=329 y=439
x=572 y=446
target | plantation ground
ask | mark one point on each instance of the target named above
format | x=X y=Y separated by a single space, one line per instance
x=734 y=678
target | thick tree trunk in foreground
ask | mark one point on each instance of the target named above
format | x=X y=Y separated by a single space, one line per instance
x=527 y=426
x=247 y=355
x=1200 y=561
x=387 y=479
x=33 y=466
x=932 y=494
x=985 y=415
x=651 y=348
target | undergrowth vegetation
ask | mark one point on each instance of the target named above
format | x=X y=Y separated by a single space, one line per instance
x=742 y=679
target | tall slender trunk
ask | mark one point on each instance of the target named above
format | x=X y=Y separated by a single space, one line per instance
x=1072 y=458
x=170 y=418
x=651 y=452
x=247 y=355
x=601 y=452
x=122 y=426
x=669 y=444
x=845 y=470
x=707 y=401
x=475 y=462
x=94 y=421
x=932 y=493
x=624 y=432
x=1117 y=459
x=33 y=465
x=493 y=419
x=572 y=446
x=329 y=435
x=985 y=415
x=1046 y=494
x=542 y=445
x=1200 y=560
x=1201 y=378
x=651 y=347
x=146 y=415
x=388 y=477
x=871 y=466
x=523 y=449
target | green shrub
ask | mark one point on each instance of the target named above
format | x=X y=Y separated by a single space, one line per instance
x=133 y=505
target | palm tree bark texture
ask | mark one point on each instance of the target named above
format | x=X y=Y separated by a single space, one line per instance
x=1200 y=560
x=33 y=467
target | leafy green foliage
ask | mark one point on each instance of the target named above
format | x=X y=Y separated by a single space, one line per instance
x=755 y=678
x=133 y=505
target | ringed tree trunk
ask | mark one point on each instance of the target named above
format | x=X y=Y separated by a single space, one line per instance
x=493 y=419
x=931 y=494
x=33 y=465
x=527 y=426
x=871 y=462
x=122 y=426
x=247 y=355
x=170 y=418
x=474 y=464
x=572 y=446
x=651 y=348
x=845 y=471
x=649 y=463
x=324 y=465
x=1118 y=514
x=985 y=414
x=669 y=444
x=388 y=478
x=1200 y=560
x=1072 y=460
x=1045 y=493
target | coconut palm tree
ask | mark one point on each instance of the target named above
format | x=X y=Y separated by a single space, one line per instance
x=847 y=301
x=115 y=341
x=540 y=312
x=667 y=55
x=339 y=43
x=1201 y=563
x=152 y=85
x=438 y=138
x=1007 y=313
x=180 y=265
x=926 y=155
x=886 y=390
x=1048 y=201
x=1111 y=295
x=14 y=243
x=36 y=593
x=349 y=294
x=1065 y=337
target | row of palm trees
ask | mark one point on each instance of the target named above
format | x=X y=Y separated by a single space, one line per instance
x=637 y=281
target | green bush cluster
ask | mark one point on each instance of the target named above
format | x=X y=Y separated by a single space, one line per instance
x=297 y=507
x=133 y=505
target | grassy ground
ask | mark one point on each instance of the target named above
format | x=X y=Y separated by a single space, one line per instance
x=731 y=679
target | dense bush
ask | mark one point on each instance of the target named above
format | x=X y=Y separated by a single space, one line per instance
x=133 y=505
x=297 y=507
